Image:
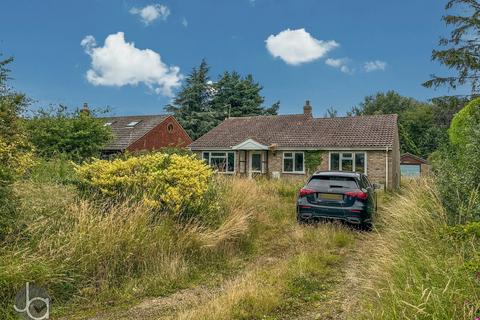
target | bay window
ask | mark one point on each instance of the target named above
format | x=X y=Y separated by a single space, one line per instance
x=348 y=161
x=221 y=161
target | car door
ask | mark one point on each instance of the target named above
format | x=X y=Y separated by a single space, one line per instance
x=372 y=197
x=373 y=192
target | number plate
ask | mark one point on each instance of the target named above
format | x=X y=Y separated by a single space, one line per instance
x=330 y=196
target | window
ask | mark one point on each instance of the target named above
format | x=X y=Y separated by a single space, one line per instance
x=293 y=162
x=348 y=161
x=132 y=124
x=256 y=162
x=332 y=182
x=221 y=161
x=170 y=128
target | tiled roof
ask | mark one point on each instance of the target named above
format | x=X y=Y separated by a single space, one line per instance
x=124 y=135
x=300 y=130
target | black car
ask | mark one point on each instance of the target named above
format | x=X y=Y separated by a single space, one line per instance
x=347 y=196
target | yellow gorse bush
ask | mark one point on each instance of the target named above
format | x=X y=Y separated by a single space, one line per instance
x=16 y=157
x=168 y=182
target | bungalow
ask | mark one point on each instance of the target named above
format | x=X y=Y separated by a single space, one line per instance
x=279 y=146
x=140 y=133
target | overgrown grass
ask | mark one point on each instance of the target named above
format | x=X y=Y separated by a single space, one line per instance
x=413 y=268
x=282 y=286
x=115 y=254
x=81 y=250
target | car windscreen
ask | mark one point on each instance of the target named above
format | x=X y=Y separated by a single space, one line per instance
x=332 y=182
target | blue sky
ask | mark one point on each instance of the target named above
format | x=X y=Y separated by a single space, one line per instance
x=331 y=52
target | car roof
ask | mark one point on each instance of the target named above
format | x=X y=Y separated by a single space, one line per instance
x=337 y=174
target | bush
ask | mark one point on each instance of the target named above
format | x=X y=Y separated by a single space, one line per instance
x=175 y=184
x=15 y=151
x=78 y=134
x=457 y=166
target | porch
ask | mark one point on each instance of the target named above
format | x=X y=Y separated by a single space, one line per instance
x=252 y=158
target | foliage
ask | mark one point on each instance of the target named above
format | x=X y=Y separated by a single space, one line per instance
x=445 y=108
x=191 y=106
x=313 y=159
x=15 y=151
x=461 y=48
x=465 y=124
x=172 y=183
x=331 y=113
x=202 y=104
x=422 y=126
x=412 y=268
x=457 y=166
x=78 y=134
x=236 y=97
x=118 y=253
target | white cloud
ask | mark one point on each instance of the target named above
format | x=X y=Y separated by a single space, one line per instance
x=374 y=66
x=341 y=63
x=185 y=22
x=298 y=46
x=151 y=13
x=119 y=63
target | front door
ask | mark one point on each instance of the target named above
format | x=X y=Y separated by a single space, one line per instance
x=255 y=163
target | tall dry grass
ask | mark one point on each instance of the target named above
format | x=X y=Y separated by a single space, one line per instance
x=412 y=269
x=82 y=250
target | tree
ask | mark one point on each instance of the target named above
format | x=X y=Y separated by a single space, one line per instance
x=79 y=134
x=15 y=155
x=202 y=104
x=331 y=113
x=419 y=131
x=445 y=108
x=462 y=49
x=15 y=151
x=191 y=106
x=236 y=96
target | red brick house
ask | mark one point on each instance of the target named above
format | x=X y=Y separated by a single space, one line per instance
x=279 y=145
x=139 y=133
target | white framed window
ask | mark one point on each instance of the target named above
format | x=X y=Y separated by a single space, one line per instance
x=348 y=161
x=221 y=161
x=293 y=162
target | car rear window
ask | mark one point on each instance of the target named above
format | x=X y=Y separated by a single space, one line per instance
x=333 y=182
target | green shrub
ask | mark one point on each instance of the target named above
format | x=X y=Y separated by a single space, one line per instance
x=465 y=122
x=78 y=134
x=457 y=166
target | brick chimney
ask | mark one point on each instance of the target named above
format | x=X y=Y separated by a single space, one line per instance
x=307 y=109
x=85 y=109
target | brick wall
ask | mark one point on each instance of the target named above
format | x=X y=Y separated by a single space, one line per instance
x=376 y=165
x=161 y=137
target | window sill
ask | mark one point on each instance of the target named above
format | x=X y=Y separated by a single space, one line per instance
x=293 y=172
x=221 y=172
